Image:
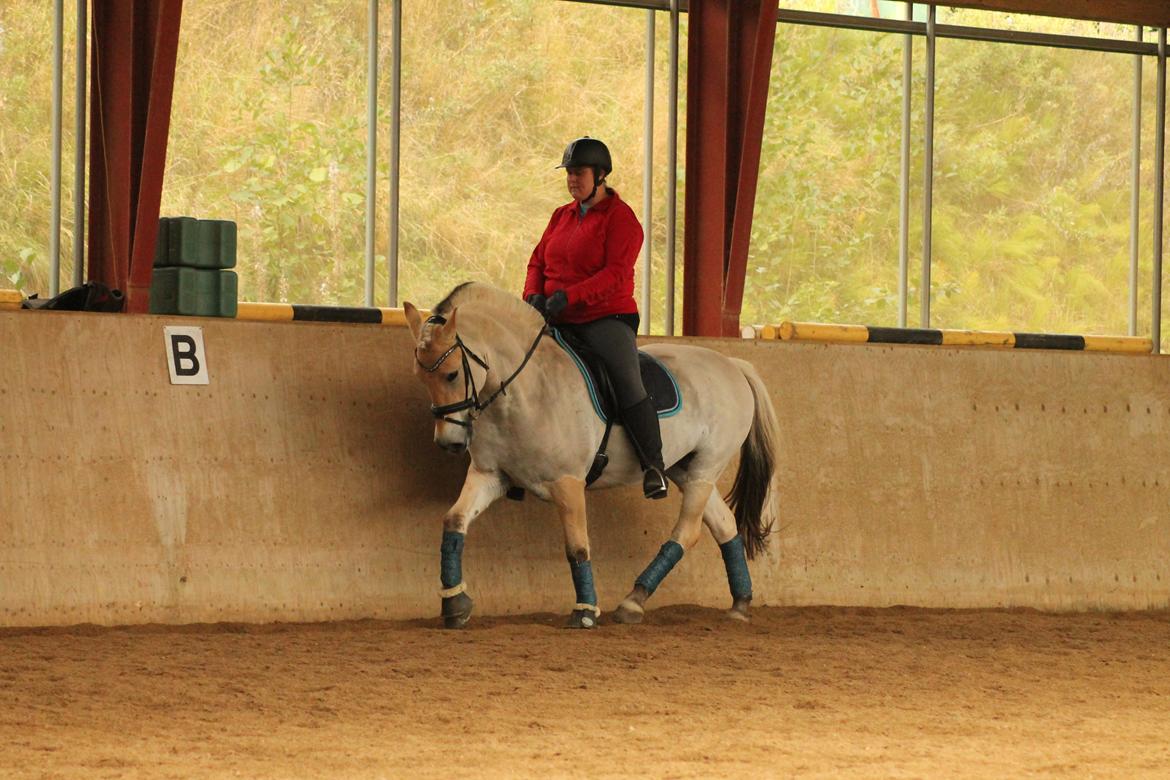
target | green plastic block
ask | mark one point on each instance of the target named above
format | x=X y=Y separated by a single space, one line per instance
x=195 y=243
x=194 y=291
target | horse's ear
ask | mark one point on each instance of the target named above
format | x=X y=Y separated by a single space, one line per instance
x=449 y=328
x=413 y=319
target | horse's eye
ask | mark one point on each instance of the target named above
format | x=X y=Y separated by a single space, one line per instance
x=452 y=375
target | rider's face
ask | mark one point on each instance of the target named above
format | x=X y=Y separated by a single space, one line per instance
x=579 y=179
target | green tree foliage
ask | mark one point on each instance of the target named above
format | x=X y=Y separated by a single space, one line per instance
x=491 y=92
x=1030 y=219
x=1032 y=193
x=276 y=142
x=825 y=230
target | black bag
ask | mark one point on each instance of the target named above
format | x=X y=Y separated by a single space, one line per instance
x=91 y=296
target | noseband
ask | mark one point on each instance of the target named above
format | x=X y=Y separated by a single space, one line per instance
x=470 y=391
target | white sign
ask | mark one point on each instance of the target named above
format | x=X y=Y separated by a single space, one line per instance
x=185 y=355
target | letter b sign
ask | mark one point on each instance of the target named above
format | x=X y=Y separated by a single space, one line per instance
x=185 y=355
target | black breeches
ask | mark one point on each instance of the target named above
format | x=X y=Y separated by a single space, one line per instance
x=615 y=342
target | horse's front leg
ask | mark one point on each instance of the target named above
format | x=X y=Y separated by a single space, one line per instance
x=686 y=534
x=480 y=489
x=568 y=494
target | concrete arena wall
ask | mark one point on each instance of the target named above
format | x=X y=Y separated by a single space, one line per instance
x=301 y=484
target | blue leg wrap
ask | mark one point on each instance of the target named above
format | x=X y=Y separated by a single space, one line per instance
x=668 y=555
x=451 y=568
x=734 y=560
x=583 y=582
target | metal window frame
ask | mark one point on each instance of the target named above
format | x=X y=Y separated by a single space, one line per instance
x=930 y=30
x=1159 y=203
x=1135 y=191
x=79 y=145
x=928 y=174
x=81 y=85
x=904 y=173
x=649 y=5
x=672 y=166
x=55 y=164
x=647 y=174
x=371 y=144
x=395 y=144
x=373 y=73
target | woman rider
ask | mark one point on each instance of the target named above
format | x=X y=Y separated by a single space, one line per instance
x=581 y=277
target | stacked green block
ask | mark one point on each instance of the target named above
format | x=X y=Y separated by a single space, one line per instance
x=190 y=268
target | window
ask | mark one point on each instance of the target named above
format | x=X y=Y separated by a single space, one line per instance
x=26 y=70
x=1032 y=188
x=825 y=229
x=268 y=129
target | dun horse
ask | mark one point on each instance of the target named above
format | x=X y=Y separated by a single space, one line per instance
x=502 y=389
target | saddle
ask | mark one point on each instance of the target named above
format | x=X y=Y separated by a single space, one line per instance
x=656 y=377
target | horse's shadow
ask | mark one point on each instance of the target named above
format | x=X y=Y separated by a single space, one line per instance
x=688 y=616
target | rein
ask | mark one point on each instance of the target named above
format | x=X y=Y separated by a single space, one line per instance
x=470 y=391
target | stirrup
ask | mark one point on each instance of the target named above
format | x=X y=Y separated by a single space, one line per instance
x=654 y=483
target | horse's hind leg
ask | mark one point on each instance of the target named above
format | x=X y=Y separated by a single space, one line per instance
x=721 y=523
x=568 y=494
x=685 y=535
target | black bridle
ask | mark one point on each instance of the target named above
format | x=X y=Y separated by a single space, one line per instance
x=470 y=391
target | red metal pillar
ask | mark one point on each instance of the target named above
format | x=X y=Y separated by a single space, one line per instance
x=729 y=54
x=133 y=77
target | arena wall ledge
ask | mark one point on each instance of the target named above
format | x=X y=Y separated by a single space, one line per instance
x=301 y=483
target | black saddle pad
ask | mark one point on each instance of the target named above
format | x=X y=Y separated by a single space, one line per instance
x=656 y=377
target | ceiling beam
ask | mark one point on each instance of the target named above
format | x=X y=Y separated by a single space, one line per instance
x=1154 y=13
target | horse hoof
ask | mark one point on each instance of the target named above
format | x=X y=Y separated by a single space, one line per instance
x=457 y=611
x=582 y=618
x=739 y=611
x=629 y=613
x=456 y=621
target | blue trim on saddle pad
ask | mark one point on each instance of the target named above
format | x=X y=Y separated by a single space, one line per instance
x=671 y=412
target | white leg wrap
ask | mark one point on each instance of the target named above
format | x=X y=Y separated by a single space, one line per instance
x=596 y=610
x=455 y=591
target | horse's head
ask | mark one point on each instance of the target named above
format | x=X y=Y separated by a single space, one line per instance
x=441 y=365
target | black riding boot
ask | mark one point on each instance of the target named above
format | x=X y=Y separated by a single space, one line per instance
x=641 y=423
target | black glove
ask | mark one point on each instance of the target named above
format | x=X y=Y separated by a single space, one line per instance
x=538 y=302
x=556 y=304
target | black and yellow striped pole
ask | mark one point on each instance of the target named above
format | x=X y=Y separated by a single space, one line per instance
x=868 y=334
x=11 y=300
x=296 y=312
x=828 y=333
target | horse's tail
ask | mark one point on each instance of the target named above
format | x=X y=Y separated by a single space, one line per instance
x=752 y=491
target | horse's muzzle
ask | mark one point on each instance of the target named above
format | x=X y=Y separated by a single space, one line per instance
x=452 y=438
x=456 y=447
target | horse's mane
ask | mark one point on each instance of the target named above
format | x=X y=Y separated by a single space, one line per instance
x=500 y=304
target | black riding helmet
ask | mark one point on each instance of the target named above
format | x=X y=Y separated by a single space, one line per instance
x=588 y=152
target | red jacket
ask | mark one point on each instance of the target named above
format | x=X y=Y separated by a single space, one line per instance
x=590 y=258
